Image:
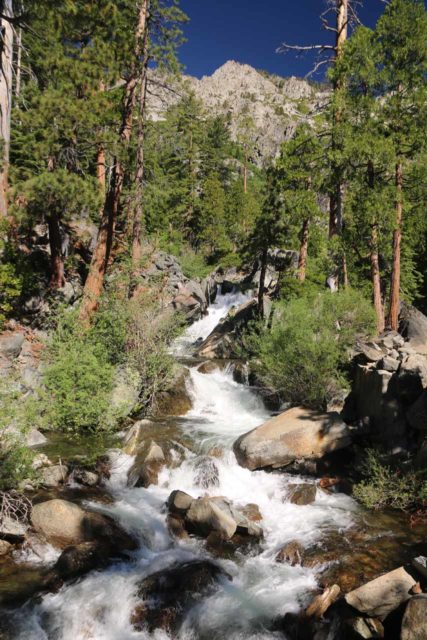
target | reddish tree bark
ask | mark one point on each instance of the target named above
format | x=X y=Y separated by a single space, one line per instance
x=101 y=254
x=393 y=314
x=374 y=259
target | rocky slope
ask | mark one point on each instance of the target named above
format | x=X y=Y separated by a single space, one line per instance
x=274 y=104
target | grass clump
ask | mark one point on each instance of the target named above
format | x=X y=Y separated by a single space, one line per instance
x=303 y=357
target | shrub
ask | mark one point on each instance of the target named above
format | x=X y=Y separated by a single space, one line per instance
x=16 y=418
x=386 y=486
x=127 y=348
x=302 y=357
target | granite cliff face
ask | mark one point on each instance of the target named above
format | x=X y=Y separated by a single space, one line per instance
x=272 y=105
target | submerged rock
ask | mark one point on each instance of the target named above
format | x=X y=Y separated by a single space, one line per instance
x=383 y=595
x=291 y=553
x=292 y=435
x=302 y=494
x=81 y=558
x=167 y=595
x=64 y=523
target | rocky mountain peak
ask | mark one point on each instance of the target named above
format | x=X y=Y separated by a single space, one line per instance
x=275 y=104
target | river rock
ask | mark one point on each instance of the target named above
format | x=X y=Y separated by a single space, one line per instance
x=303 y=493
x=5 y=548
x=81 y=558
x=35 y=438
x=179 y=502
x=362 y=628
x=381 y=596
x=64 y=523
x=167 y=595
x=147 y=466
x=291 y=553
x=54 y=475
x=205 y=516
x=414 y=623
x=292 y=435
x=85 y=477
x=135 y=436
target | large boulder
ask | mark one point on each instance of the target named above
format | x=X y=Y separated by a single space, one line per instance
x=383 y=595
x=208 y=515
x=413 y=325
x=293 y=435
x=414 y=623
x=205 y=516
x=168 y=594
x=63 y=523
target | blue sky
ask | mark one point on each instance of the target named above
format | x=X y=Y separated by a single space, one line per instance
x=250 y=31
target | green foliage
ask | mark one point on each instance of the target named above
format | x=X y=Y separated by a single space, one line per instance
x=77 y=380
x=126 y=348
x=17 y=417
x=386 y=486
x=302 y=357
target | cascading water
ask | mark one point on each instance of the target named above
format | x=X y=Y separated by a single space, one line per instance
x=99 y=606
x=200 y=329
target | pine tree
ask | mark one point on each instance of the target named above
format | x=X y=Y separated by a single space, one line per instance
x=402 y=40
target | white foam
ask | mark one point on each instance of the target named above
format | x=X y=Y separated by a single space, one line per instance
x=99 y=607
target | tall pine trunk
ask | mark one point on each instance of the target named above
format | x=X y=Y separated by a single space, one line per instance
x=302 y=258
x=100 y=168
x=57 y=279
x=6 y=61
x=374 y=259
x=337 y=194
x=393 y=314
x=139 y=173
x=101 y=254
x=261 y=287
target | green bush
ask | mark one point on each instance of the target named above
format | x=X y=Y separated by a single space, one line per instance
x=127 y=346
x=386 y=486
x=303 y=356
x=78 y=383
x=16 y=417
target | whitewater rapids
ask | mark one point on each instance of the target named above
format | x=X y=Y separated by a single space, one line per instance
x=99 y=606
